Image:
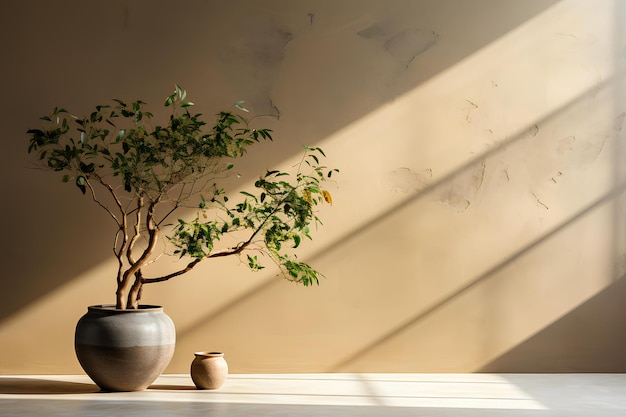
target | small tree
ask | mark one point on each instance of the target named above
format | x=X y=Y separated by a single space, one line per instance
x=142 y=175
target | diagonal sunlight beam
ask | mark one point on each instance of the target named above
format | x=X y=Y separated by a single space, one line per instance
x=467 y=166
x=267 y=283
x=356 y=226
x=608 y=197
x=244 y=77
x=360 y=391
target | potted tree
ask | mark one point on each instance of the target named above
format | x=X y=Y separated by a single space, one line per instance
x=143 y=175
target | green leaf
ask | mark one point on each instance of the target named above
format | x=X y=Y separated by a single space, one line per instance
x=80 y=183
x=127 y=178
x=180 y=92
x=240 y=106
x=249 y=195
x=253 y=263
x=87 y=168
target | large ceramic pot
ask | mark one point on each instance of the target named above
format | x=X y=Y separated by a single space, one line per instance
x=124 y=350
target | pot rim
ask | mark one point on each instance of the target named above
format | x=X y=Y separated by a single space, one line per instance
x=208 y=354
x=143 y=308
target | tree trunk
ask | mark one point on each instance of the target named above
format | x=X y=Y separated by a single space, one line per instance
x=135 y=291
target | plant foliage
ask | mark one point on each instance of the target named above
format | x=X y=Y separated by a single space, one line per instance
x=142 y=173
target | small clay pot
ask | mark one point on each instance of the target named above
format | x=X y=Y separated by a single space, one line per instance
x=209 y=370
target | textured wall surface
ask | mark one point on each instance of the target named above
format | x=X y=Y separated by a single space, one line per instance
x=477 y=222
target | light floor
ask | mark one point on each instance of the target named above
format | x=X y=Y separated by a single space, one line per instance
x=328 y=395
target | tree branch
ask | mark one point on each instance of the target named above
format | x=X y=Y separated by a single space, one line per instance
x=133 y=240
x=119 y=253
x=95 y=199
x=188 y=268
x=134 y=269
x=169 y=213
x=233 y=251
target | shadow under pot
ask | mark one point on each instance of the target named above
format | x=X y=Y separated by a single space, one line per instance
x=209 y=370
x=124 y=350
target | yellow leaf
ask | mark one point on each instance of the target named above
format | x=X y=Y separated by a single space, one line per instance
x=327 y=197
x=307 y=195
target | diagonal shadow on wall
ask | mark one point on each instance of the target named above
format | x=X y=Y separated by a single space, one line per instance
x=493 y=273
x=587 y=339
x=591 y=337
x=22 y=281
x=451 y=177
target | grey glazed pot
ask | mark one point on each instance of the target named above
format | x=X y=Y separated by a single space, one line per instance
x=124 y=350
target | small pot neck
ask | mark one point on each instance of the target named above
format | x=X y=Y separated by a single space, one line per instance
x=209 y=354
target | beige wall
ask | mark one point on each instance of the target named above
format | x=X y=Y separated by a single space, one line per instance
x=478 y=218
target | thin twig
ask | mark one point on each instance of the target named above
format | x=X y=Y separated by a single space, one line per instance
x=95 y=199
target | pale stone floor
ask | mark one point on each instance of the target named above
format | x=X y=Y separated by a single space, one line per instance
x=328 y=395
